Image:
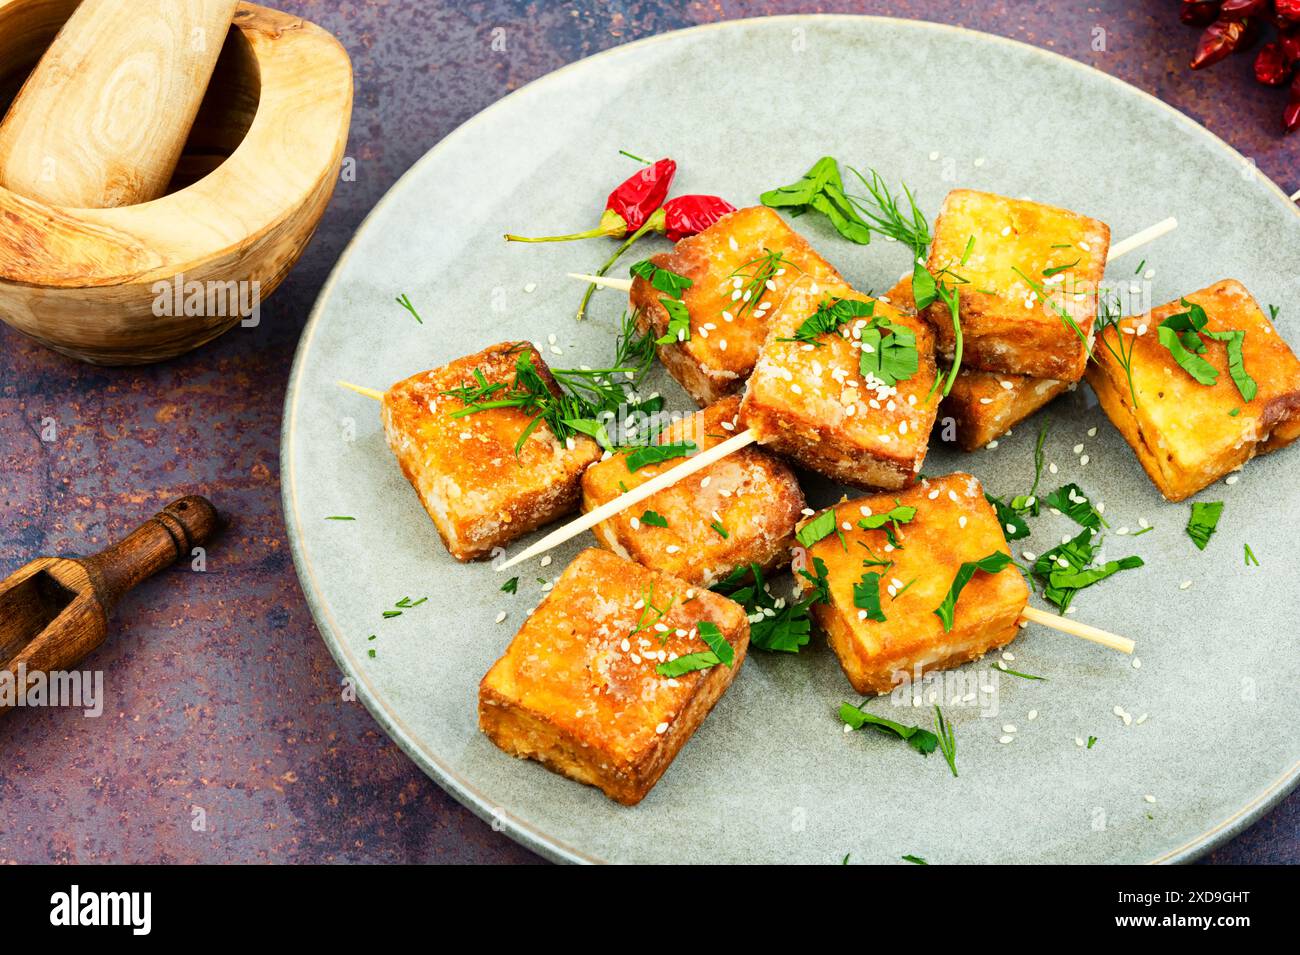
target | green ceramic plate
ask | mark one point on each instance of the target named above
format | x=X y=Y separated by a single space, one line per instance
x=745 y=106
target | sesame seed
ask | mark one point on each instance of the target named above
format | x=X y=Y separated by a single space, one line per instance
x=1032 y=714
x=672 y=548
x=1078 y=741
x=546 y=561
x=636 y=523
x=1006 y=230
x=1006 y=385
x=1149 y=798
x=1009 y=656
x=991 y=445
x=1085 y=246
x=530 y=287
x=1141 y=719
x=1011 y=528
x=961 y=521
x=1028 y=555
x=1084 y=460
x=934 y=155
x=1078 y=449
x=1137 y=664
x=663 y=728
x=501 y=616
x=1092 y=432
x=1009 y=728
x=704 y=482
x=796 y=389
x=986 y=401
x=1122 y=531
x=625 y=646
x=1233 y=479
x=1006 y=739
x=979 y=160
x=933 y=494
x=1053 y=468
x=1184 y=585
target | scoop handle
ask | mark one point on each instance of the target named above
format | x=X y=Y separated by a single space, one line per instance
x=102 y=119
x=156 y=544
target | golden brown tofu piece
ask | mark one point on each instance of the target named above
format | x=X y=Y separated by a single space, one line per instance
x=1005 y=326
x=953 y=524
x=1186 y=434
x=741 y=510
x=811 y=403
x=578 y=689
x=730 y=302
x=479 y=493
x=984 y=405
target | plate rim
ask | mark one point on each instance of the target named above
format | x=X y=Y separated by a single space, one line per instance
x=460 y=788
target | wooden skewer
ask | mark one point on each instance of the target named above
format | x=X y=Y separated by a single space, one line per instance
x=703 y=460
x=362 y=390
x=1135 y=241
x=653 y=486
x=1076 y=629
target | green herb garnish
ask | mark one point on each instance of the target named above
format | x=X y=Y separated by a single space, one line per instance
x=1058 y=269
x=1067 y=568
x=821 y=526
x=992 y=564
x=822 y=190
x=1181 y=335
x=1003 y=668
x=866 y=596
x=1203 y=522
x=665 y=280
x=657 y=454
x=774 y=624
x=404 y=300
x=890 y=521
x=915 y=860
x=511 y=586
x=1251 y=559
x=1074 y=504
x=340 y=517
x=921 y=740
x=1014 y=527
x=653 y=518
x=1092 y=741
x=679 y=322
x=720 y=529
x=947 y=739
x=1108 y=316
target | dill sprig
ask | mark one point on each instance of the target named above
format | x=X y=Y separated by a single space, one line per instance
x=947 y=739
x=586 y=395
x=758 y=278
x=881 y=209
x=1062 y=312
x=1108 y=316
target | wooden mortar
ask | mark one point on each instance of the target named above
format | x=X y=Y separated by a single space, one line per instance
x=254 y=178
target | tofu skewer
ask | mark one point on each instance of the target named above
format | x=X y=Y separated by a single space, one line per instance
x=1131 y=244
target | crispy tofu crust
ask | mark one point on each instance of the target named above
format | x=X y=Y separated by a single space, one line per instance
x=465 y=470
x=911 y=641
x=577 y=690
x=753 y=496
x=1182 y=431
x=812 y=405
x=982 y=404
x=1000 y=332
x=725 y=334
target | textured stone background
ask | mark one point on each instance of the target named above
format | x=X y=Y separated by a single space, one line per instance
x=221 y=694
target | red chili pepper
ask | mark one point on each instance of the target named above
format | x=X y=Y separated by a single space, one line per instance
x=688 y=215
x=1290 y=9
x=627 y=208
x=1197 y=13
x=1220 y=39
x=1271 y=66
x=1240 y=9
x=1291 y=115
x=1290 y=47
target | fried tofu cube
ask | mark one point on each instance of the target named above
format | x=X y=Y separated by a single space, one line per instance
x=578 y=689
x=984 y=238
x=953 y=524
x=737 y=285
x=811 y=402
x=479 y=492
x=741 y=510
x=1188 y=435
x=984 y=405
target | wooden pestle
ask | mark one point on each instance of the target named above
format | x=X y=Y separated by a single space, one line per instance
x=102 y=119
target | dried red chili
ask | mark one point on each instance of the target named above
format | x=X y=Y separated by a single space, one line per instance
x=1220 y=39
x=628 y=207
x=1290 y=9
x=1290 y=47
x=1271 y=66
x=1240 y=9
x=1197 y=13
x=1291 y=115
x=688 y=215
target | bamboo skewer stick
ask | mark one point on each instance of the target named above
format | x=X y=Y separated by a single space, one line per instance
x=1135 y=241
x=362 y=390
x=656 y=484
x=1075 y=629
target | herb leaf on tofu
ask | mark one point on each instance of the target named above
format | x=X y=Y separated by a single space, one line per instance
x=657 y=454
x=1203 y=522
x=688 y=663
x=711 y=635
x=1181 y=335
x=921 y=740
x=889 y=520
x=653 y=518
x=991 y=564
x=821 y=526
x=1014 y=527
x=679 y=322
x=822 y=190
x=665 y=280
x=866 y=596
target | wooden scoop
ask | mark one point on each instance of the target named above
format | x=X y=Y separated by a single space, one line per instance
x=54 y=611
x=102 y=119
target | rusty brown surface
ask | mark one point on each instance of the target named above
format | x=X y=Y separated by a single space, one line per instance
x=221 y=695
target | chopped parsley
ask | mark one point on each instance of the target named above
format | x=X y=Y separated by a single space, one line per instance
x=511 y=586
x=821 y=189
x=921 y=740
x=1074 y=504
x=821 y=526
x=1203 y=522
x=719 y=652
x=1092 y=741
x=1068 y=568
x=653 y=518
x=657 y=454
x=665 y=280
x=992 y=564
x=947 y=739
x=719 y=529
x=1014 y=527
x=915 y=860
x=888 y=353
x=774 y=623
x=866 y=596
x=1182 y=333
x=679 y=322
x=890 y=520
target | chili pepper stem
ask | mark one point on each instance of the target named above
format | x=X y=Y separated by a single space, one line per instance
x=653 y=223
